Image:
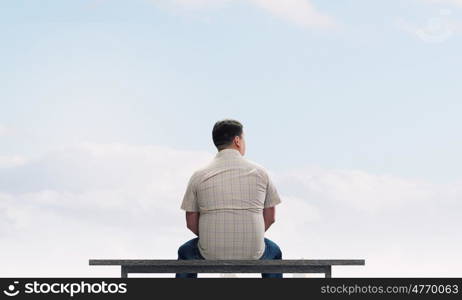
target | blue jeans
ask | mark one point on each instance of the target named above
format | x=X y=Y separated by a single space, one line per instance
x=189 y=250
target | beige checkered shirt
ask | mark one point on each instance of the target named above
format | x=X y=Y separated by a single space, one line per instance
x=230 y=194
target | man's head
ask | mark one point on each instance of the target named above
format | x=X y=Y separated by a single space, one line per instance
x=228 y=134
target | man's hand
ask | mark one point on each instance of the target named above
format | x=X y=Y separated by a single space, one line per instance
x=269 y=215
x=192 y=221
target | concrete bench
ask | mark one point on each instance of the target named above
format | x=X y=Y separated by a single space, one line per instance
x=226 y=266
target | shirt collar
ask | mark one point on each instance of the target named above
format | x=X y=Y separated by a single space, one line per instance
x=228 y=152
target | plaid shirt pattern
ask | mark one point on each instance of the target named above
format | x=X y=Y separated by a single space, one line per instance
x=230 y=194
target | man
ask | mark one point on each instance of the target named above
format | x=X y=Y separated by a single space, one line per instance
x=229 y=204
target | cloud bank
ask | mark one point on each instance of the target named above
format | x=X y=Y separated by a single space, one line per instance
x=300 y=12
x=455 y=2
x=4 y=130
x=122 y=201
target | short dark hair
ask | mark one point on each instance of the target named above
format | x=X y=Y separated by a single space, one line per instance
x=224 y=132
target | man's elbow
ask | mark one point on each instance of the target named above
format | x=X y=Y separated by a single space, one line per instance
x=269 y=222
x=269 y=214
x=194 y=227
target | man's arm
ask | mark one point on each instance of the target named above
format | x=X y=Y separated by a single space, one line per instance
x=191 y=205
x=271 y=200
x=269 y=215
x=192 y=221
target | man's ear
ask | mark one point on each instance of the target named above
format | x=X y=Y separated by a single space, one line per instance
x=237 y=141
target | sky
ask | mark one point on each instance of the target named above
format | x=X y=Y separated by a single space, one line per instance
x=107 y=108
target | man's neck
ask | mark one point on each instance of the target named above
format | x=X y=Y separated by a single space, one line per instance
x=229 y=150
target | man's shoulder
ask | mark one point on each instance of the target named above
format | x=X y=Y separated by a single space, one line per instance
x=262 y=170
x=253 y=163
x=211 y=167
x=200 y=172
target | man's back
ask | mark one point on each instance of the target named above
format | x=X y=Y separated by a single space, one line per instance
x=230 y=193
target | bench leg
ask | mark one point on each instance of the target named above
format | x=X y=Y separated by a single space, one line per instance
x=328 y=272
x=124 y=273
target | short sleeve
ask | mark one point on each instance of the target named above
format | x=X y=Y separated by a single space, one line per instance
x=272 y=197
x=190 y=197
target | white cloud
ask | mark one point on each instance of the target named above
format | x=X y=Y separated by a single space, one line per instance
x=193 y=4
x=455 y=2
x=11 y=160
x=199 y=3
x=122 y=201
x=357 y=189
x=3 y=130
x=299 y=12
x=93 y=200
x=394 y=223
x=10 y=131
x=436 y=29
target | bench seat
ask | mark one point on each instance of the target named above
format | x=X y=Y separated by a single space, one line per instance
x=226 y=266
